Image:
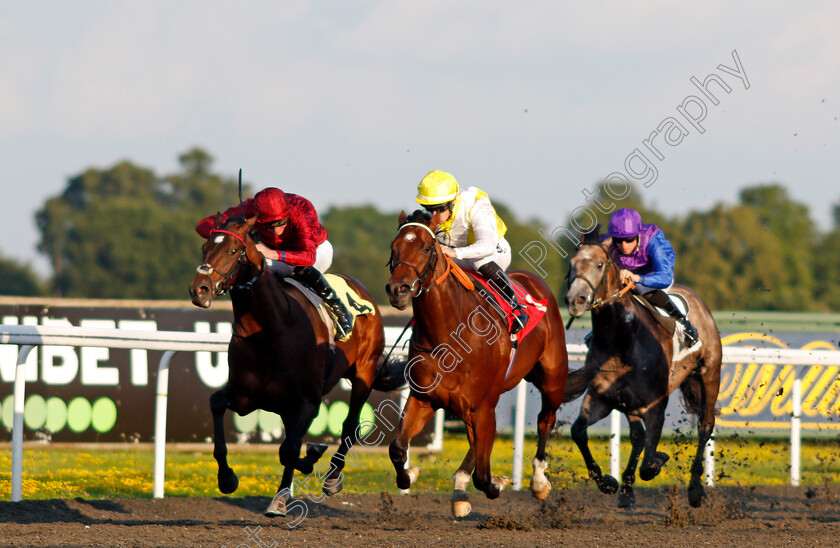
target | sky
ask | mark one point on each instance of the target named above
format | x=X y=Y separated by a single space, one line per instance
x=353 y=102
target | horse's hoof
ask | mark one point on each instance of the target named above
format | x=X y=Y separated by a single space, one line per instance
x=500 y=482
x=315 y=451
x=333 y=487
x=626 y=497
x=661 y=458
x=228 y=482
x=461 y=509
x=608 y=485
x=543 y=494
x=696 y=494
x=277 y=508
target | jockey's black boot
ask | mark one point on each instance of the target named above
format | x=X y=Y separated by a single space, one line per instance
x=494 y=273
x=312 y=278
x=660 y=298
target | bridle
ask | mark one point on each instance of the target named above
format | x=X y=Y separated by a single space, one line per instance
x=224 y=284
x=417 y=287
x=597 y=303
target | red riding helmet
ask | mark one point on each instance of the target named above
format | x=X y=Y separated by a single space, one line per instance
x=271 y=205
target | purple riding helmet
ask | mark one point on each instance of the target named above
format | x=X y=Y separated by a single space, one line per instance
x=627 y=223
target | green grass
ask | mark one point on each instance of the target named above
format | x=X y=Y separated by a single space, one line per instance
x=128 y=472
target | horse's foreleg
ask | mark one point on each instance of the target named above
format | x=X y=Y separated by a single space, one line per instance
x=415 y=416
x=483 y=437
x=460 y=499
x=540 y=486
x=652 y=464
x=219 y=402
x=626 y=497
x=333 y=481
x=592 y=410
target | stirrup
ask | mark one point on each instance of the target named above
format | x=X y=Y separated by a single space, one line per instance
x=520 y=320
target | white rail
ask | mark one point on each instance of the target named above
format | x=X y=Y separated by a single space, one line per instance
x=170 y=342
x=29 y=336
x=731 y=354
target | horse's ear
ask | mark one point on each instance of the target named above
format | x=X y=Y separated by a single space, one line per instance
x=251 y=221
x=217 y=219
x=591 y=237
x=434 y=221
x=402 y=218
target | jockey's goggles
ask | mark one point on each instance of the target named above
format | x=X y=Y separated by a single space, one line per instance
x=437 y=208
x=274 y=224
x=626 y=240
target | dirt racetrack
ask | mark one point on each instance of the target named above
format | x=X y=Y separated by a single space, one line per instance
x=762 y=516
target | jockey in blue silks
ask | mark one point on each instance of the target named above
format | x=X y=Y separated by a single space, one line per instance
x=645 y=257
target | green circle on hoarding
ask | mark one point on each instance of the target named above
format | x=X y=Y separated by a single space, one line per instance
x=104 y=415
x=78 y=414
x=35 y=412
x=338 y=412
x=367 y=414
x=247 y=423
x=56 y=415
x=9 y=412
x=320 y=423
x=268 y=421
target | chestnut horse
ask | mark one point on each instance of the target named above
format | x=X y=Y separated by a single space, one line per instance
x=629 y=367
x=280 y=355
x=460 y=359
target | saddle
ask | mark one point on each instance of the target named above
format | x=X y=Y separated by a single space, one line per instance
x=355 y=304
x=672 y=326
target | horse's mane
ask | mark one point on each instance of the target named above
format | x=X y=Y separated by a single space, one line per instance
x=419 y=216
x=232 y=221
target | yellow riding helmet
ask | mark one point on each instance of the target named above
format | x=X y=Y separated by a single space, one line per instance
x=438 y=187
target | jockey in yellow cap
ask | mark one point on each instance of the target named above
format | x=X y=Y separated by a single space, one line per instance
x=471 y=233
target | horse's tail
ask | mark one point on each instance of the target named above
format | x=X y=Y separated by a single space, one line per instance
x=579 y=380
x=390 y=374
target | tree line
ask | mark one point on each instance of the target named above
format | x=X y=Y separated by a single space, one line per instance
x=127 y=233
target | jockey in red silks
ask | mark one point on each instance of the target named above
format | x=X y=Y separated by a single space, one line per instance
x=645 y=257
x=294 y=243
x=471 y=233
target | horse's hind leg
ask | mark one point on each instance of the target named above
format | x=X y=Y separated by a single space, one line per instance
x=289 y=454
x=333 y=482
x=592 y=410
x=415 y=416
x=705 y=411
x=654 y=460
x=460 y=499
x=626 y=496
x=219 y=402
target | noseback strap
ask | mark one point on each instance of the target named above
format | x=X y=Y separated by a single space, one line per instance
x=237 y=236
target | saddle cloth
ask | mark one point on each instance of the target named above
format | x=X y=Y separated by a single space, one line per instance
x=353 y=302
x=533 y=307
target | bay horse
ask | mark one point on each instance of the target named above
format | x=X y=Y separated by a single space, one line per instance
x=460 y=359
x=280 y=355
x=629 y=368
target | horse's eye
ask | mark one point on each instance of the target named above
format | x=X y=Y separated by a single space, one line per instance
x=600 y=266
x=233 y=251
x=427 y=250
